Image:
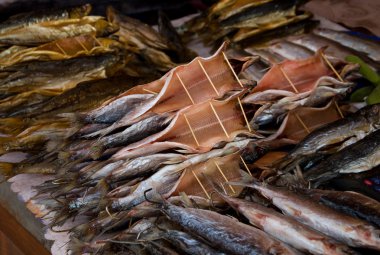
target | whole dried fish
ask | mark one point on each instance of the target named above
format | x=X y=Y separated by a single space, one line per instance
x=344 y=228
x=262 y=14
x=273 y=112
x=355 y=158
x=286 y=229
x=349 y=202
x=48 y=31
x=372 y=49
x=189 y=244
x=77 y=99
x=291 y=50
x=226 y=233
x=133 y=133
x=27 y=19
x=65 y=48
x=164 y=180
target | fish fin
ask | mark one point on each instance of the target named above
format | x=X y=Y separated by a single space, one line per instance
x=76 y=246
x=185 y=199
x=12 y=126
x=73 y=117
x=103 y=187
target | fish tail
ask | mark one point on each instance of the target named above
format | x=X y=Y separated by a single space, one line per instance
x=73 y=117
x=8 y=144
x=12 y=126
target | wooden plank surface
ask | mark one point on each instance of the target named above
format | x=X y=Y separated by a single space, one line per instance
x=7 y=247
x=18 y=235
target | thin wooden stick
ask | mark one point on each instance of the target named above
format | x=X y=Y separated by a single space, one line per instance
x=81 y=44
x=338 y=109
x=233 y=71
x=288 y=79
x=208 y=77
x=184 y=87
x=331 y=67
x=245 y=117
x=220 y=122
x=191 y=130
x=302 y=123
x=224 y=189
x=245 y=165
x=224 y=177
x=149 y=91
x=61 y=49
x=200 y=184
x=96 y=40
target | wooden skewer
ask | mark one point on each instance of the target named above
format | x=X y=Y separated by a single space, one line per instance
x=81 y=44
x=338 y=109
x=302 y=123
x=200 y=184
x=208 y=78
x=220 y=122
x=224 y=190
x=61 y=49
x=96 y=40
x=191 y=130
x=331 y=67
x=245 y=117
x=225 y=178
x=149 y=91
x=288 y=79
x=130 y=223
x=233 y=71
x=245 y=165
x=184 y=87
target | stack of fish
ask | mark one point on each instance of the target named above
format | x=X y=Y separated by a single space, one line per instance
x=52 y=60
x=244 y=21
x=171 y=137
x=160 y=168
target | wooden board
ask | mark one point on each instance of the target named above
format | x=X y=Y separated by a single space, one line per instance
x=13 y=234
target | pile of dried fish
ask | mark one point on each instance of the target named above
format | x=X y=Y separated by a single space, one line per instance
x=42 y=83
x=248 y=21
x=197 y=161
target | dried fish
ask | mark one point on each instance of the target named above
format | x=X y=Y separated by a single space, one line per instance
x=349 y=202
x=355 y=158
x=372 y=49
x=286 y=229
x=188 y=244
x=346 y=229
x=226 y=233
x=354 y=126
